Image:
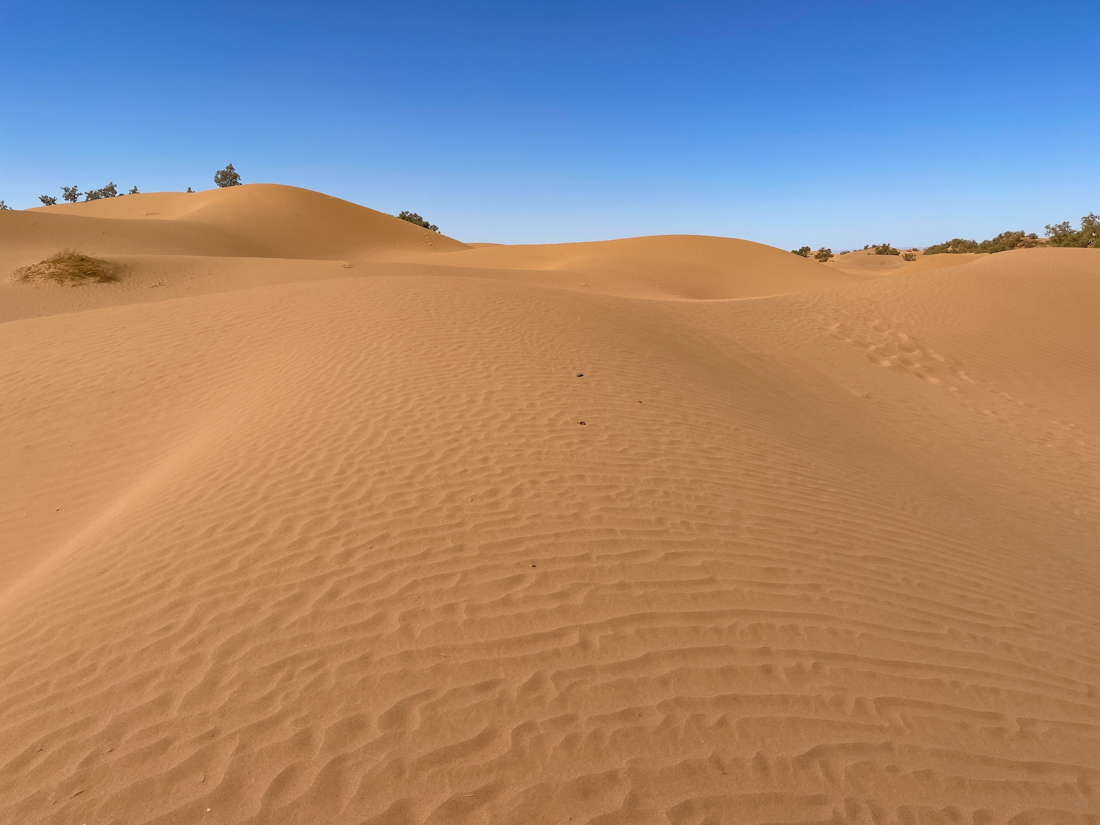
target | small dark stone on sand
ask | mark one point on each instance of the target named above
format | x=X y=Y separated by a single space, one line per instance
x=581 y=423
x=580 y=375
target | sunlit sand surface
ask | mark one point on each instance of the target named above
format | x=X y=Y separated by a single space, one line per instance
x=315 y=516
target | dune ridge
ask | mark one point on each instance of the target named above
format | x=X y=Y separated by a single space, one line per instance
x=260 y=220
x=292 y=542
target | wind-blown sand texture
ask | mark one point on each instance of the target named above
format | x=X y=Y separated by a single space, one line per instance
x=300 y=524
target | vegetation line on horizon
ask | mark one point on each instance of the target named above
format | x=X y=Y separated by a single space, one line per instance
x=1059 y=234
x=71 y=194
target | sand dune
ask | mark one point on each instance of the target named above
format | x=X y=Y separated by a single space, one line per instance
x=261 y=220
x=288 y=541
x=866 y=263
x=673 y=266
x=924 y=263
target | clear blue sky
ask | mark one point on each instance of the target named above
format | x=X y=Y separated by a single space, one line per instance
x=789 y=122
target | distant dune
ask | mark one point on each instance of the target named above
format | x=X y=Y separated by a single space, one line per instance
x=671 y=266
x=865 y=263
x=317 y=516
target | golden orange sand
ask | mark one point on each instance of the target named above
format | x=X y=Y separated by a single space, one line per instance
x=300 y=524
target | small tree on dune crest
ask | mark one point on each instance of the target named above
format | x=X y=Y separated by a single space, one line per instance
x=70 y=194
x=1062 y=234
x=802 y=251
x=885 y=249
x=47 y=200
x=108 y=191
x=412 y=217
x=4 y=207
x=823 y=254
x=227 y=177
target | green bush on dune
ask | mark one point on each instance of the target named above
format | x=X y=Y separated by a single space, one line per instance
x=823 y=254
x=412 y=217
x=1059 y=234
x=226 y=177
x=1062 y=234
x=956 y=246
x=108 y=191
x=885 y=249
x=1001 y=243
x=1009 y=240
x=802 y=251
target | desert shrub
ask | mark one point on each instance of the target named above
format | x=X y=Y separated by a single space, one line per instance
x=71 y=268
x=1009 y=240
x=412 y=217
x=1090 y=230
x=4 y=207
x=47 y=200
x=802 y=251
x=70 y=194
x=885 y=249
x=189 y=191
x=226 y=177
x=908 y=256
x=955 y=245
x=134 y=191
x=1001 y=243
x=1062 y=234
x=823 y=254
x=108 y=191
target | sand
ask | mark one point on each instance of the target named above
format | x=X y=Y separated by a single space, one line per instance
x=865 y=263
x=312 y=518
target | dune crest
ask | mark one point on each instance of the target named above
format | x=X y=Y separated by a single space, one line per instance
x=255 y=220
x=302 y=526
x=692 y=267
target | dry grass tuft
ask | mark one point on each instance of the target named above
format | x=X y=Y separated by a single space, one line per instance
x=70 y=268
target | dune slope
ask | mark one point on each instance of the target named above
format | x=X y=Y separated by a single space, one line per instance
x=188 y=244
x=257 y=220
x=693 y=267
x=436 y=542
